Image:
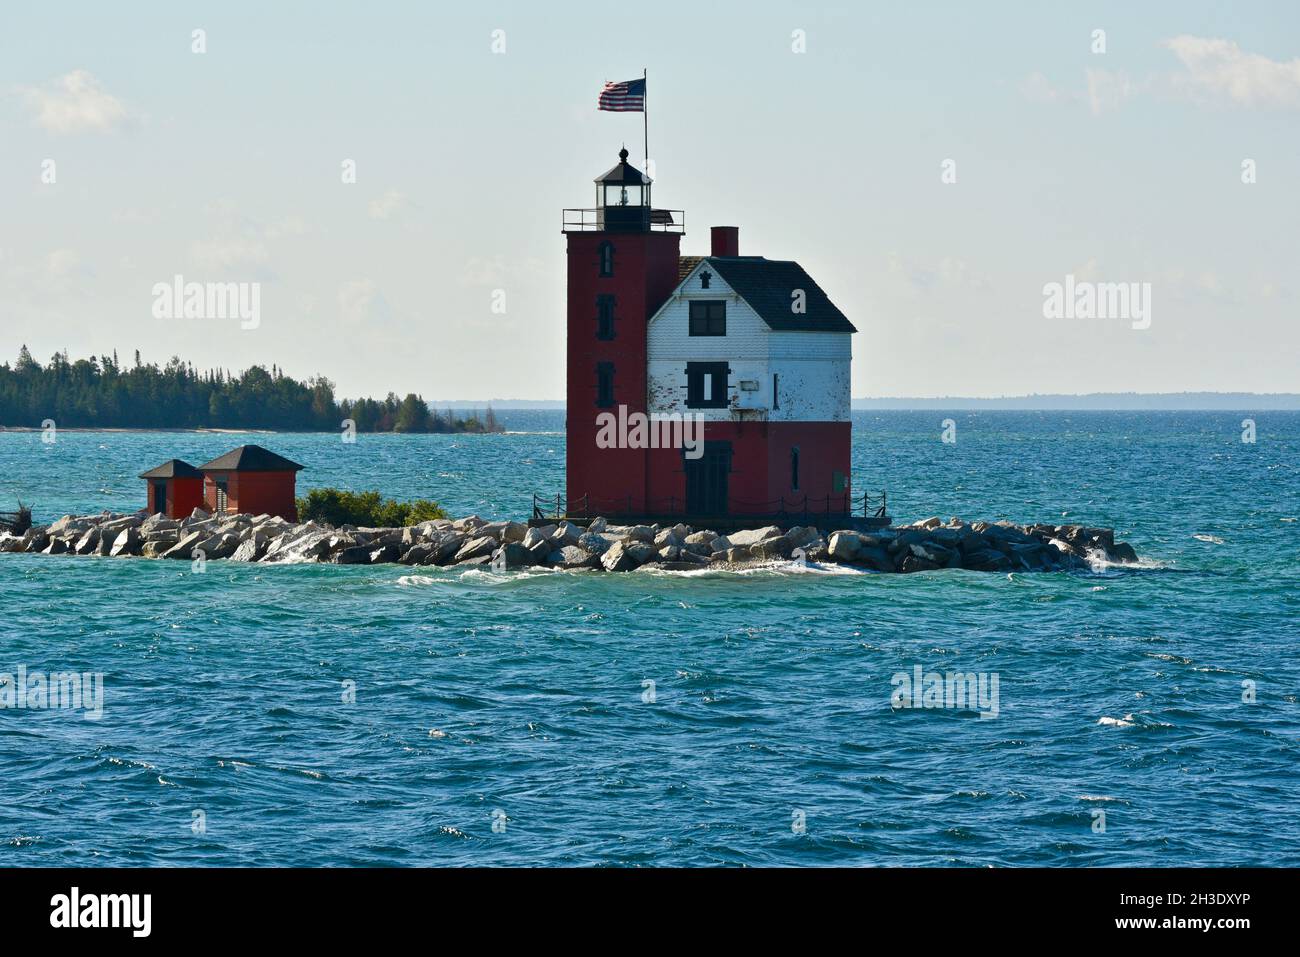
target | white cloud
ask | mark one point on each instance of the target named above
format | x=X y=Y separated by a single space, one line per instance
x=240 y=243
x=1218 y=69
x=77 y=103
x=1038 y=89
x=1107 y=90
x=385 y=206
x=361 y=302
x=1104 y=91
x=947 y=273
x=484 y=272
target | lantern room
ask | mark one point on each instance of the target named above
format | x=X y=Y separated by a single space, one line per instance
x=623 y=198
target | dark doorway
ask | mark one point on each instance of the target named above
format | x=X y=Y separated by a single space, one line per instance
x=706 y=480
x=160 y=497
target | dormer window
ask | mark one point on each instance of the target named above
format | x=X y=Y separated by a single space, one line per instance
x=606 y=259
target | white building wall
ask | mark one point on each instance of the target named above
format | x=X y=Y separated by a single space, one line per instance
x=813 y=368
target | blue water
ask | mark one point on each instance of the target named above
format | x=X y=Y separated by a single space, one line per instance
x=522 y=693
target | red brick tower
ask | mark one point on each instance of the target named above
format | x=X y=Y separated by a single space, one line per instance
x=623 y=265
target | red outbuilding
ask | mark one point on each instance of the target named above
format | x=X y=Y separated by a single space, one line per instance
x=252 y=480
x=175 y=488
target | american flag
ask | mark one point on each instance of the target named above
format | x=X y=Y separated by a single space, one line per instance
x=625 y=97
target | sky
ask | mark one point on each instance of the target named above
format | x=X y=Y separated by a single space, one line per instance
x=934 y=166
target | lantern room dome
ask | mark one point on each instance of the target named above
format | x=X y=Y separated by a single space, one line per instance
x=623 y=174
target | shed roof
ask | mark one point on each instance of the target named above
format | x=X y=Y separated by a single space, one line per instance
x=250 y=458
x=172 y=468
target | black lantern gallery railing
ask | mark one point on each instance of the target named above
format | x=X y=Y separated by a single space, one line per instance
x=636 y=219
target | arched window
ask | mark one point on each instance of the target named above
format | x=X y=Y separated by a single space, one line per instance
x=606 y=258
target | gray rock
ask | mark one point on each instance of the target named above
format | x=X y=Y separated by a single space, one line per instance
x=250 y=549
x=352 y=555
x=185 y=545
x=417 y=554
x=88 y=542
x=619 y=558
x=573 y=556
x=513 y=555
x=385 y=554
x=514 y=531
x=536 y=536
x=753 y=536
x=128 y=542
x=594 y=542
x=1122 y=552
x=478 y=547
x=844 y=546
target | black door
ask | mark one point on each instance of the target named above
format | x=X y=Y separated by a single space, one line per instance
x=160 y=497
x=706 y=480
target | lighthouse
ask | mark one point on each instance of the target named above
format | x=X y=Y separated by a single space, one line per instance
x=748 y=350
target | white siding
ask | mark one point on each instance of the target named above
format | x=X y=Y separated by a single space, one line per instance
x=813 y=367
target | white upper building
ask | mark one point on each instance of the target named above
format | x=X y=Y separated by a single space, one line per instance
x=746 y=337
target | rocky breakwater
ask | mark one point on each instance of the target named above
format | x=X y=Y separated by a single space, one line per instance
x=923 y=546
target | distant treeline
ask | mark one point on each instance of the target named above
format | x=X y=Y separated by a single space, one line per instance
x=103 y=393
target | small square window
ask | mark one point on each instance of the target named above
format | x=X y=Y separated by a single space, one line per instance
x=708 y=317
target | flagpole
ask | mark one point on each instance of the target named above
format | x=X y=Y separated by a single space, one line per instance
x=645 y=115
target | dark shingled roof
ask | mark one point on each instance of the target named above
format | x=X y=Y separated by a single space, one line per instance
x=172 y=468
x=768 y=284
x=250 y=458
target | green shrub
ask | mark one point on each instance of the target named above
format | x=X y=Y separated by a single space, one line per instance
x=333 y=506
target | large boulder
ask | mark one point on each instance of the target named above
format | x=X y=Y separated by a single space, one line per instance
x=417 y=554
x=448 y=544
x=573 y=556
x=625 y=556
x=220 y=545
x=385 y=554
x=250 y=549
x=1122 y=552
x=594 y=542
x=513 y=555
x=844 y=546
x=128 y=542
x=88 y=542
x=753 y=536
x=536 y=536
x=185 y=546
x=477 y=547
x=352 y=555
